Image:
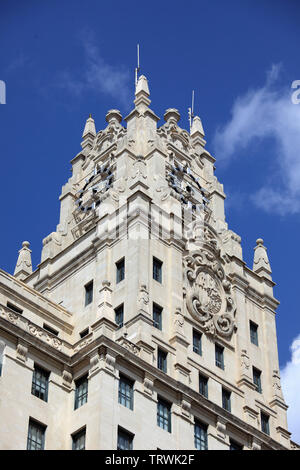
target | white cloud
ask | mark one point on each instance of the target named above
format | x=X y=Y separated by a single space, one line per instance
x=97 y=75
x=290 y=381
x=263 y=113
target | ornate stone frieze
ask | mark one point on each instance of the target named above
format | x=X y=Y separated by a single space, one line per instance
x=44 y=336
x=131 y=347
x=208 y=293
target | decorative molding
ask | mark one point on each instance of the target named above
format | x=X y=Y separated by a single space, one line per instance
x=21 y=351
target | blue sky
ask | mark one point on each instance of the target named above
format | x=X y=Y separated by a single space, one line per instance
x=62 y=60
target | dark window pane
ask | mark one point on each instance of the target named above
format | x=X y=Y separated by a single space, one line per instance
x=203 y=389
x=235 y=446
x=265 y=423
x=88 y=293
x=164 y=415
x=78 y=440
x=157 y=316
x=40 y=379
x=197 y=346
x=125 y=440
x=119 y=315
x=200 y=436
x=253 y=333
x=257 y=379
x=36 y=436
x=226 y=399
x=157 y=270
x=120 y=265
x=162 y=360
x=81 y=391
x=219 y=356
x=126 y=392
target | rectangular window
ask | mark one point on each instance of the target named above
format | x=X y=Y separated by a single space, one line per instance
x=226 y=395
x=84 y=333
x=197 y=343
x=257 y=379
x=36 y=436
x=157 y=316
x=126 y=392
x=157 y=270
x=78 y=440
x=162 y=360
x=235 y=445
x=50 y=330
x=40 y=380
x=125 y=440
x=120 y=267
x=14 y=308
x=203 y=389
x=119 y=315
x=219 y=350
x=200 y=436
x=81 y=391
x=88 y=293
x=253 y=333
x=264 y=423
x=164 y=414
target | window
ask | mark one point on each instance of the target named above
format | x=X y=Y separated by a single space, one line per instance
x=120 y=266
x=264 y=423
x=203 y=389
x=157 y=316
x=126 y=392
x=162 y=360
x=157 y=270
x=125 y=440
x=119 y=315
x=14 y=307
x=88 y=293
x=164 y=414
x=257 y=379
x=253 y=333
x=200 y=436
x=78 y=440
x=36 y=436
x=40 y=379
x=235 y=445
x=226 y=395
x=50 y=330
x=219 y=350
x=84 y=333
x=81 y=391
x=197 y=346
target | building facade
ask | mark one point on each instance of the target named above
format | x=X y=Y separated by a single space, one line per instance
x=142 y=327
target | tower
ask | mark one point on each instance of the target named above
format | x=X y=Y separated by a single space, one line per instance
x=142 y=327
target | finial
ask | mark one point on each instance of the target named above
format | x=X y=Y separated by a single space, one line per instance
x=197 y=127
x=113 y=114
x=89 y=128
x=172 y=113
x=24 y=265
x=261 y=264
x=142 y=94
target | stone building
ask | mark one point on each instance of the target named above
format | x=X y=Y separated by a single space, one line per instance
x=142 y=327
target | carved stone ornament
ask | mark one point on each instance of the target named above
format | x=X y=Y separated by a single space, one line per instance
x=208 y=293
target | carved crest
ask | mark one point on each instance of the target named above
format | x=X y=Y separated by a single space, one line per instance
x=208 y=293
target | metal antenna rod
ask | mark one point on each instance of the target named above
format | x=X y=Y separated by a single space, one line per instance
x=191 y=111
x=137 y=69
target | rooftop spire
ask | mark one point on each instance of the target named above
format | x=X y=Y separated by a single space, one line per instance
x=24 y=265
x=261 y=264
x=89 y=133
x=197 y=127
x=142 y=94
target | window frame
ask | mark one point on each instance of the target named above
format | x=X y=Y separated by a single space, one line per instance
x=162 y=354
x=38 y=426
x=219 y=349
x=157 y=310
x=84 y=395
x=125 y=434
x=205 y=382
x=253 y=332
x=199 y=439
x=89 y=294
x=162 y=418
x=157 y=265
x=128 y=398
x=197 y=349
x=256 y=373
x=36 y=388
x=120 y=270
x=120 y=324
x=78 y=435
x=265 y=422
x=226 y=399
x=234 y=445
